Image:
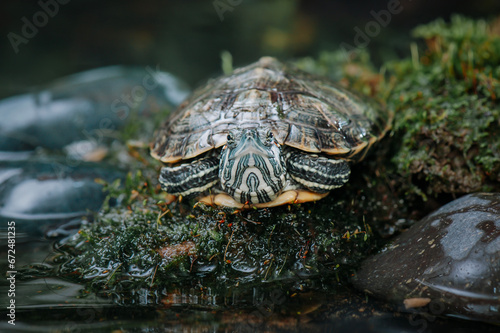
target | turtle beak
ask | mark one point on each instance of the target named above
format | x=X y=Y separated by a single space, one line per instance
x=251 y=143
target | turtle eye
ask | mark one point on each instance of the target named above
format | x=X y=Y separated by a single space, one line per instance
x=230 y=138
x=269 y=137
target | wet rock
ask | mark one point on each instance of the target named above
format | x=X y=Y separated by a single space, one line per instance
x=446 y=264
x=85 y=106
x=40 y=195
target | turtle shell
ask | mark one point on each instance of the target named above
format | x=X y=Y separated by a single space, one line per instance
x=303 y=111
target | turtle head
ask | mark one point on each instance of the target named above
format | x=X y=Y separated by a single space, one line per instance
x=252 y=169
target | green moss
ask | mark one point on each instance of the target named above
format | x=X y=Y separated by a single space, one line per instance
x=447 y=111
x=445 y=99
x=122 y=250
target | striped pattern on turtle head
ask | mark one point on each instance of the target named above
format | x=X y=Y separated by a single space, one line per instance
x=252 y=169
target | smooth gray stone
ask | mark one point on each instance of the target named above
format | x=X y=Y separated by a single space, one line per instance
x=85 y=106
x=39 y=195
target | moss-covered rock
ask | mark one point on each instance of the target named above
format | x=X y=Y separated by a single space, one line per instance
x=143 y=243
x=447 y=109
x=445 y=98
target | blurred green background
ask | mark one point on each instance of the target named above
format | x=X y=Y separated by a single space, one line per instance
x=187 y=37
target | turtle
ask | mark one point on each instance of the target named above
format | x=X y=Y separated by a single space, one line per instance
x=266 y=135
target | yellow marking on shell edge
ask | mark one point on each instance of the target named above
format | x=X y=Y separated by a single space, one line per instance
x=161 y=158
x=355 y=151
x=287 y=197
x=302 y=147
x=168 y=159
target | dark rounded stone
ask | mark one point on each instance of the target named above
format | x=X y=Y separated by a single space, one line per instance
x=40 y=195
x=449 y=262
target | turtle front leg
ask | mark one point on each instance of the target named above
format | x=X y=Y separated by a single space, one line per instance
x=316 y=173
x=190 y=178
